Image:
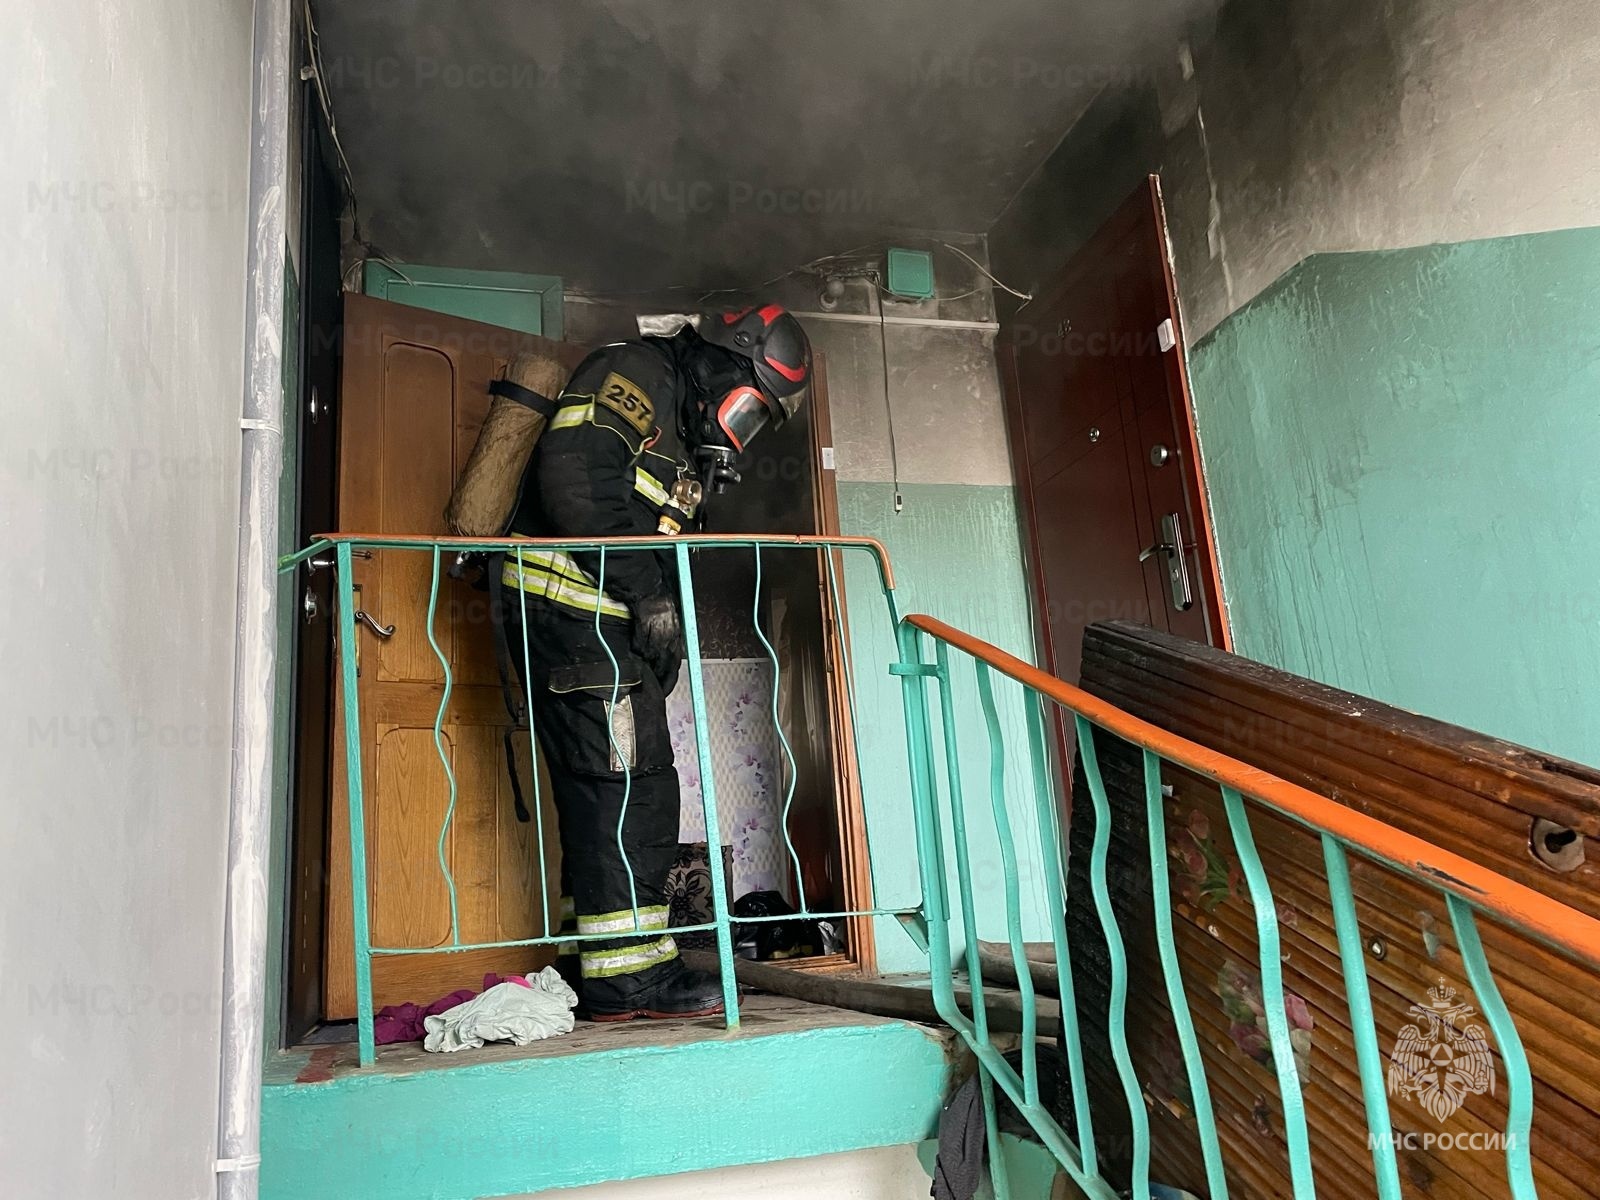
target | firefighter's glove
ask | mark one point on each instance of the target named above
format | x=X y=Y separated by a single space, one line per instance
x=658 y=638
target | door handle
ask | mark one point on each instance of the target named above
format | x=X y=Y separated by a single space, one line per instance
x=1177 y=566
x=363 y=617
x=313 y=565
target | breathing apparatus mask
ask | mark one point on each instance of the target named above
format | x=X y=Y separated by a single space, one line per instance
x=732 y=409
x=751 y=373
x=747 y=370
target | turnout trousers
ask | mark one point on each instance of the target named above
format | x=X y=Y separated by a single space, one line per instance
x=600 y=717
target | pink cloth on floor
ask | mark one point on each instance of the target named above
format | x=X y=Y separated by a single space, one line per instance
x=403 y=1022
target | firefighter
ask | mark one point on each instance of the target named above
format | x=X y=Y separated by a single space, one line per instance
x=641 y=431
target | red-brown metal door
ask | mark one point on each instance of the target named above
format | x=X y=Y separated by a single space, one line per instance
x=1104 y=447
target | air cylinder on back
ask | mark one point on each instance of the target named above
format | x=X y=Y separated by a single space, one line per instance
x=485 y=496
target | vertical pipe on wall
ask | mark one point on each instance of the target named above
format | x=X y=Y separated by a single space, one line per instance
x=255 y=649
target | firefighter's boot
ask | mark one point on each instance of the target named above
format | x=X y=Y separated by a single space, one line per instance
x=678 y=991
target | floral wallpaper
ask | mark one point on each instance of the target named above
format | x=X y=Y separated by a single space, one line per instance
x=748 y=760
x=1206 y=877
x=1240 y=990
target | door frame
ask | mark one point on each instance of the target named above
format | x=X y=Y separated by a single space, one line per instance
x=308 y=834
x=861 y=947
x=1145 y=202
x=304 y=718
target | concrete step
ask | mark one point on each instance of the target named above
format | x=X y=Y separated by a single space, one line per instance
x=603 y=1103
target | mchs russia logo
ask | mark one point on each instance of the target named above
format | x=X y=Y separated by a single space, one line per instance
x=1444 y=1057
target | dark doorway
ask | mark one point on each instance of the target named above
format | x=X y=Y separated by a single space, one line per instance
x=1097 y=400
x=315 y=410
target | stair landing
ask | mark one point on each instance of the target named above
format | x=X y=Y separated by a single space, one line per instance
x=605 y=1102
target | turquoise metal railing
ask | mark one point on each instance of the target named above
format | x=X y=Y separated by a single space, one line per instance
x=345 y=550
x=1470 y=892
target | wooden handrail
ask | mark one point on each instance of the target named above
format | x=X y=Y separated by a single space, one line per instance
x=1561 y=925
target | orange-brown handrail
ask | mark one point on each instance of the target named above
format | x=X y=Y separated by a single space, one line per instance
x=1561 y=925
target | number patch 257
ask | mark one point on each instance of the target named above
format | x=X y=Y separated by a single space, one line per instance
x=623 y=397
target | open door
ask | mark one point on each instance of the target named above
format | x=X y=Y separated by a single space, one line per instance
x=413 y=395
x=854 y=866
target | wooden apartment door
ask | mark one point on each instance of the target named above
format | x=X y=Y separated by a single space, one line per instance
x=1098 y=407
x=413 y=395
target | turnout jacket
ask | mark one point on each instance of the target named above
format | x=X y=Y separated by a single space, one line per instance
x=605 y=467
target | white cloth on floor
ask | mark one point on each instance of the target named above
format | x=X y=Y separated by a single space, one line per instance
x=514 y=1012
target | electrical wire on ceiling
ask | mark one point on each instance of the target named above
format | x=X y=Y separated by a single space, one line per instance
x=325 y=102
x=883 y=291
x=1002 y=286
x=825 y=260
x=865 y=257
x=888 y=406
x=314 y=53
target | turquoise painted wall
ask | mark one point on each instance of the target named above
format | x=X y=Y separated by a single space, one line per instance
x=1403 y=451
x=531 y=303
x=957 y=555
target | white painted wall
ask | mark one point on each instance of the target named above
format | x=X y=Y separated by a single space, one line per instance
x=888 y=1173
x=948 y=413
x=1315 y=126
x=1295 y=127
x=123 y=164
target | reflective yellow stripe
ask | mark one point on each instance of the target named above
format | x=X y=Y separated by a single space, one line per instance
x=576 y=408
x=557 y=563
x=651 y=920
x=553 y=575
x=648 y=486
x=570 y=416
x=601 y=964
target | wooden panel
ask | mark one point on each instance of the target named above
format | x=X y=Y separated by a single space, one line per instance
x=417 y=468
x=414 y=392
x=528 y=890
x=1469 y=793
x=475 y=858
x=473 y=651
x=410 y=905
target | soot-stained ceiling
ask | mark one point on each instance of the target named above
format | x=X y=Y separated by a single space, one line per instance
x=637 y=144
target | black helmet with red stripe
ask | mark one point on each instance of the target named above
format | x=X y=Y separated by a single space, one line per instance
x=776 y=345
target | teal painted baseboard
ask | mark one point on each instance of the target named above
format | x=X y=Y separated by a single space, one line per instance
x=1400 y=448
x=512 y=1127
